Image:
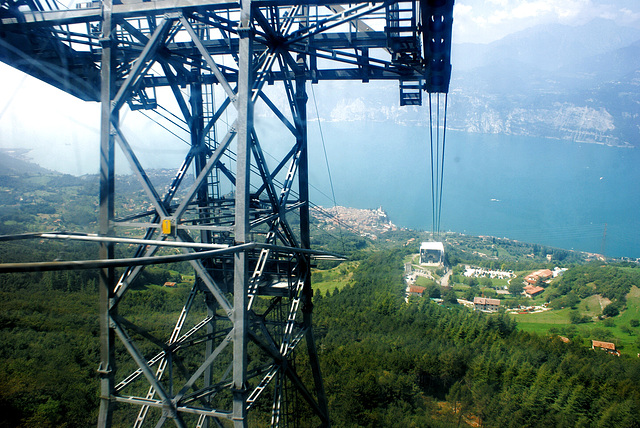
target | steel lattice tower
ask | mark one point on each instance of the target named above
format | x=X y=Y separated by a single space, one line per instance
x=250 y=248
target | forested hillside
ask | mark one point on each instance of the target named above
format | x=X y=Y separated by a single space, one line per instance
x=385 y=362
x=612 y=282
x=388 y=363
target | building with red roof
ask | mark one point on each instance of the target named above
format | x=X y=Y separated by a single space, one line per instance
x=486 y=304
x=543 y=274
x=605 y=346
x=415 y=290
x=532 y=290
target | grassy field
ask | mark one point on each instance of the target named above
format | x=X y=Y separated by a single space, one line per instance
x=617 y=329
x=499 y=283
x=593 y=305
x=423 y=282
x=326 y=281
x=412 y=258
x=543 y=321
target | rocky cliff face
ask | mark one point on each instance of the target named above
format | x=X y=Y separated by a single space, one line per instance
x=562 y=120
x=573 y=83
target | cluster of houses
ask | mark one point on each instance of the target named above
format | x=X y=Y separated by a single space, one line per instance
x=432 y=254
x=535 y=280
x=534 y=285
x=542 y=276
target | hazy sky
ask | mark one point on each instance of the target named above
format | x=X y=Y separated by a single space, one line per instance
x=483 y=21
x=63 y=132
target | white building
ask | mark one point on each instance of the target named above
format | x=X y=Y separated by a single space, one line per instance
x=432 y=253
x=558 y=271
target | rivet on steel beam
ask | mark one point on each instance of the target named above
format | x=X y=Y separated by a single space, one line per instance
x=244 y=32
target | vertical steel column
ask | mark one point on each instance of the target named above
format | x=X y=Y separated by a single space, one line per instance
x=196 y=128
x=305 y=239
x=241 y=229
x=303 y=163
x=106 y=215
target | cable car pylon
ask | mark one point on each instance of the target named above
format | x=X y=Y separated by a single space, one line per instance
x=231 y=355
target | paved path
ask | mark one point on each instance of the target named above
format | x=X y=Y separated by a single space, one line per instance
x=444 y=281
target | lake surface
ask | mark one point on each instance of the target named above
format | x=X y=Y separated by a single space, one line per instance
x=544 y=191
x=551 y=192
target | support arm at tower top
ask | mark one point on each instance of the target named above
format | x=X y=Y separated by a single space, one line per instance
x=407 y=41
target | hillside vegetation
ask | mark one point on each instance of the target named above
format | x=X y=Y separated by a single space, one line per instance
x=386 y=360
x=390 y=363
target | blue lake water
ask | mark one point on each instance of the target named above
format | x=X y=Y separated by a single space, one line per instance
x=545 y=191
x=551 y=192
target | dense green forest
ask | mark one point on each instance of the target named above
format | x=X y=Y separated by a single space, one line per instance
x=385 y=361
x=389 y=363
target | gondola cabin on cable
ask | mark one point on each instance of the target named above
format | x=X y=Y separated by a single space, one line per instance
x=432 y=253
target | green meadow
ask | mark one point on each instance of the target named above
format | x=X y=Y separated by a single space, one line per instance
x=329 y=280
x=619 y=329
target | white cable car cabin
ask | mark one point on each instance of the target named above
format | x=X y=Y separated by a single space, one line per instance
x=432 y=253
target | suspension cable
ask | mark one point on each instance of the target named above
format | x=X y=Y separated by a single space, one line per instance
x=437 y=161
x=444 y=135
x=326 y=159
x=164 y=127
x=433 y=193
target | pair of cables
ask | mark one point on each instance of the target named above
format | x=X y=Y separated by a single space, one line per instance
x=437 y=129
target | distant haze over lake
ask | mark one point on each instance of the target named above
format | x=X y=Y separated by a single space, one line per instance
x=544 y=191
x=526 y=103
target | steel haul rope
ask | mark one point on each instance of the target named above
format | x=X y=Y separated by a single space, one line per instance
x=437 y=161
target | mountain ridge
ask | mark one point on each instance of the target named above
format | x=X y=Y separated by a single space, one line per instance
x=16 y=162
x=580 y=90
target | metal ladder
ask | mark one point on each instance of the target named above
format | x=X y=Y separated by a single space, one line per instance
x=403 y=42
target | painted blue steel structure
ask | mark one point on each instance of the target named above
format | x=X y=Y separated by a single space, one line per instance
x=209 y=62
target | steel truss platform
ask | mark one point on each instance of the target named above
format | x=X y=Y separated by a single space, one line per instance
x=207 y=64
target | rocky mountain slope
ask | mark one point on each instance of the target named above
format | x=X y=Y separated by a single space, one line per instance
x=574 y=83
